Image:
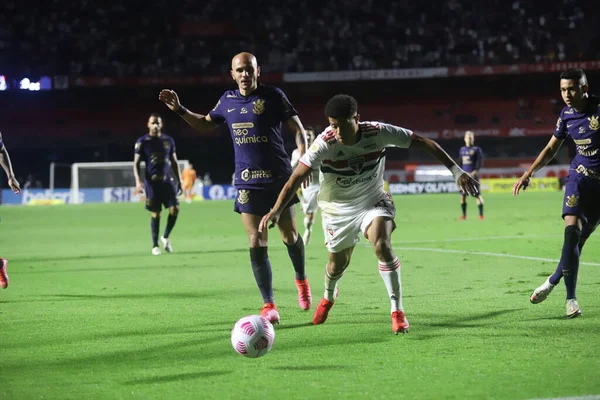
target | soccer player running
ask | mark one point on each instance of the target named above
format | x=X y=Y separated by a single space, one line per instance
x=470 y=159
x=309 y=193
x=254 y=114
x=162 y=179
x=580 y=120
x=351 y=157
x=188 y=178
x=15 y=187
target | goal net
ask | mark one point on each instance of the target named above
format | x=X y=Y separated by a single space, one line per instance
x=105 y=175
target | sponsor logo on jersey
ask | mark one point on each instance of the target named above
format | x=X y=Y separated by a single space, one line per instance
x=346 y=182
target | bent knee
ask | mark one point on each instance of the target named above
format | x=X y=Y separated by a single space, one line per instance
x=383 y=248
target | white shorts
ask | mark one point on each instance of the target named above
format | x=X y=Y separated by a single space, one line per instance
x=344 y=231
x=309 y=199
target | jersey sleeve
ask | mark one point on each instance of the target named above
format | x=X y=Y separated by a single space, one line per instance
x=316 y=153
x=1 y=142
x=216 y=114
x=561 y=129
x=287 y=109
x=295 y=158
x=138 y=146
x=396 y=136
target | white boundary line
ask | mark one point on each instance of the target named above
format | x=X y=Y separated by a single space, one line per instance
x=589 y=397
x=485 y=253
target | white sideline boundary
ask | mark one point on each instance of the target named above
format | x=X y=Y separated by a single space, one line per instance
x=589 y=397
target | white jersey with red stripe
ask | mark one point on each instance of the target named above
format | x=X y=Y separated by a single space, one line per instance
x=352 y=176
x=315 y=172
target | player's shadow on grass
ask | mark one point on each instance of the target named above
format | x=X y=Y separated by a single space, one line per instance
x=176 y=377
x=301 y=368
x=467 y=321
x=293 y=326
x=127 y=255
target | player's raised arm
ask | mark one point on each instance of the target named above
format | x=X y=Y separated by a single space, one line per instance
x=463 y=180
x=8 y=169
x=545 y=156
x=202 y=123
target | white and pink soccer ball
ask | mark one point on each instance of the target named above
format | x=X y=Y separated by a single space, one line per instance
x=252 y=336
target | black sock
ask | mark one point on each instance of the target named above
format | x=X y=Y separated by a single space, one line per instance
x=480 y=206
x=296 y=253
x=464 y=208
x=262 y=272
x=570 y=259
x=171 y=219
x=154 y=225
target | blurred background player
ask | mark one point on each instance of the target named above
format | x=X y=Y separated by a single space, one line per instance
x=351 y=156
x=580 y=120
x=15 y=187
x=470 y=159
x=309 y=193
x=188 y=178
x=254 y=114
x=162 y=179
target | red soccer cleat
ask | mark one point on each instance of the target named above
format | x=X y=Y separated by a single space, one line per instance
x=399 y=322
x=3 y=274
x=304 y=294
x=481 y=217
x=322 y=310
x=462 y=217
x=269 y=311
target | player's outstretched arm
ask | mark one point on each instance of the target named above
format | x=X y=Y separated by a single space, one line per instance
x=202 y=123
x=301 y=172
x=8 y=169
x=545 y=156
x=463 y=180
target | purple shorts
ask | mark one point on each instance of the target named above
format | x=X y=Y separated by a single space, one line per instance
x=582 y=197
x=260 y=201
x=160 y=194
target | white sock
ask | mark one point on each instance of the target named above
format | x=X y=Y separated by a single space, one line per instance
x=308 y=224
x=331 y=285
x=390 y=273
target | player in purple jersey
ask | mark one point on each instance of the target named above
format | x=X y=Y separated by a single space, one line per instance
x=580 y=120
x=15 y=187
x=470 y=159
x=162 y=179
x=254 y=114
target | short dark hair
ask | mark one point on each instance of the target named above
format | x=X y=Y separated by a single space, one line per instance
x=309 y=128
x=575 y=74
x=155 y=115
x=341 y=106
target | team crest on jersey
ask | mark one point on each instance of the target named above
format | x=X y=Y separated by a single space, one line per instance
x=594 y=123
x=259 y=106
x=243 y=196
x=572 y=200
x=166 y=145
x=356 y=164
x=472 y=152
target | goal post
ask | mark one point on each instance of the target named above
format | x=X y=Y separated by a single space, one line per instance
x=98 y=175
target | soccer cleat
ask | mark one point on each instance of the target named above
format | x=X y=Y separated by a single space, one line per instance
x=481 y=217
x=322 y=311
x=269 y=311
x=462 y=217
x=573 y=310
x=541 y=292
x=306 y=237
x=3 y=274
x=156 y=251
x=166 y=244
x=399 y=322
x=304 y=294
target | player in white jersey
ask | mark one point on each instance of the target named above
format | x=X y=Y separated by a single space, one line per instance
x=351 y=157
x=308 y=198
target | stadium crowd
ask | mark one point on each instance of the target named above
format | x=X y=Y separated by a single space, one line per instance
x=157 y=38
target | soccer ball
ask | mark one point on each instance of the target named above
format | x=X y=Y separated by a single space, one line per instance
x=252 y=336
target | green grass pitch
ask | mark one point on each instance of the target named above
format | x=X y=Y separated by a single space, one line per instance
x=90 y=314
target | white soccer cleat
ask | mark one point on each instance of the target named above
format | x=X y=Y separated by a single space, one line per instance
x=156 y=251
x=542 y=292
x=573 y=310
x=166 y=244
x=306 y=237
